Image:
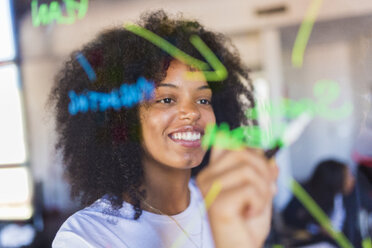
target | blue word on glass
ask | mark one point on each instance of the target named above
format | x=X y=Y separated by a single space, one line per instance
x=127 y=96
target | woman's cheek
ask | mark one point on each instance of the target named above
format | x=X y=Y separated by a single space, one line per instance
x=208 y=115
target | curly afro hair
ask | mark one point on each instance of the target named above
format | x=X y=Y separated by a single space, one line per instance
x=101 y=149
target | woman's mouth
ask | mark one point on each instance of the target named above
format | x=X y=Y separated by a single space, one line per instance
x=187 y=139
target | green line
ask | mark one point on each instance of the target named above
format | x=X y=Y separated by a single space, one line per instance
x=304 y=32
x=220 y=72
x=166 y=46
x=367 y=243
x=212 y=193
x=318 y=214
x=277 y=246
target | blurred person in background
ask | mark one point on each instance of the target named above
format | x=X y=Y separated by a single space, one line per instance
x=138 y=171
x=362 y=156
x=364 y=193
x=330 y=184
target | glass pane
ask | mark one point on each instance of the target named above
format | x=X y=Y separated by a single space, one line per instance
x=7 y=49
x=12 y=142
x=15 y=194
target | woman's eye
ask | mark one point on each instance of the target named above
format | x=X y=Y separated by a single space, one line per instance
x=204 y=101
x=166 y=100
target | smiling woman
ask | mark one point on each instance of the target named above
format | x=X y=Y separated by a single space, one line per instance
x=173 y=124
x=139 y=170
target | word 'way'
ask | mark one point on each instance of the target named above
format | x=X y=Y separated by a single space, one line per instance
x=44 y=14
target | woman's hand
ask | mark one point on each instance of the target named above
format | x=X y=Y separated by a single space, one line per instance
x=240 y=215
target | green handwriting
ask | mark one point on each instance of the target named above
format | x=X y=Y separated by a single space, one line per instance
x=326 y=92
x=253 y=136
x=44 y=15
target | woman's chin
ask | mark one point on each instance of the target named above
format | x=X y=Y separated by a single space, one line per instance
x=186 y=163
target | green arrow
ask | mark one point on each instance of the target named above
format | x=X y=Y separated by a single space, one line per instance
x=219 y=72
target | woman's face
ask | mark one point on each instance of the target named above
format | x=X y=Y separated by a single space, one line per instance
x=173 y=122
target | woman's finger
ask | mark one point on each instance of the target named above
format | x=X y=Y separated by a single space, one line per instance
x=239 y=175
x=230 y=159
x=243 y=201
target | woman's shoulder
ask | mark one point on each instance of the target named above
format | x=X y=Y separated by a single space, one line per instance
x=93 y=226
x=99 y=213
x=77 y=230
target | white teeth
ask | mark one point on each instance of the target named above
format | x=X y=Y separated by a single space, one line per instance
x=189 y=136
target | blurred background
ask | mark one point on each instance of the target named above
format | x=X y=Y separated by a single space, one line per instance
x=34 y=198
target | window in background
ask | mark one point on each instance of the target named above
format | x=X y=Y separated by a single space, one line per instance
x=7 y=48
x=12 y=142
x=15 y=180
x=15 y=192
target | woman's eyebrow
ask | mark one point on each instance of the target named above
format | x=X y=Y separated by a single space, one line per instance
x=175 y=86
x=167 y=85
x=204 y=87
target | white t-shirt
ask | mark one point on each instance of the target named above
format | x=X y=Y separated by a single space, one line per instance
x=338 y=214
x=100 y=226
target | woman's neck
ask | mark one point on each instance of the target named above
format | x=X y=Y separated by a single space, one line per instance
x=166 y=188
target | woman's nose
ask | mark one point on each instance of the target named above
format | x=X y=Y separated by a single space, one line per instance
x=189 y=111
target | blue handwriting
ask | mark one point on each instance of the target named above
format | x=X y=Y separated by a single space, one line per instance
x=127 y=95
